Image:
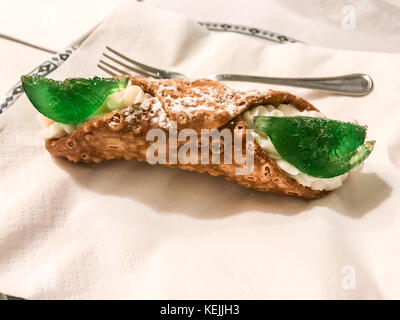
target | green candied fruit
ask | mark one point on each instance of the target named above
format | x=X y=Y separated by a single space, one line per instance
x=72 y=100
x=318 y=147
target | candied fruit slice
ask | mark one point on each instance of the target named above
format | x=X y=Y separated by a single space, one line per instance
x=319 y=147
x=72 y=100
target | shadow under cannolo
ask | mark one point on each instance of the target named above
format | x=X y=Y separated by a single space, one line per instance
x=201 y=196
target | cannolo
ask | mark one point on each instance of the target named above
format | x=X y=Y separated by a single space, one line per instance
x=269 y=141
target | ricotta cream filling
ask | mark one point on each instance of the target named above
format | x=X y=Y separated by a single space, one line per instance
x=287 y=110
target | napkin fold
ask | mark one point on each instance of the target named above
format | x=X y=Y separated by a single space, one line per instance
x=129 y=230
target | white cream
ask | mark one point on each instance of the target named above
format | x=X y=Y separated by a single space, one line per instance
x=115 y=101
x=287 y=110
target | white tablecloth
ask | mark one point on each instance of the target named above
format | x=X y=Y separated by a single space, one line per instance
x=54 y=24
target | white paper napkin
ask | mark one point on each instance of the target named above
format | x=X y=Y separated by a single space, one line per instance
x=123 y=229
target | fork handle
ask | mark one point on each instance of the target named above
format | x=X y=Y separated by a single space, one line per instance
x=357 y=84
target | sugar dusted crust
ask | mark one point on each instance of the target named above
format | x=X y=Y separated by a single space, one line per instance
x=193 y=104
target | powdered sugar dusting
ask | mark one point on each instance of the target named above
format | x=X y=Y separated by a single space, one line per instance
x=150 y=109
x=204 y=98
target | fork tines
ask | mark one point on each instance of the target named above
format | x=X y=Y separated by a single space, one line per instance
x=115 y=63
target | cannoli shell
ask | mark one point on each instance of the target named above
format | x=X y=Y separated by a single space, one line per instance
x=183 y=104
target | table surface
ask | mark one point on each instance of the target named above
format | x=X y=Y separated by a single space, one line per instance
x=48 y=23
x=349 y=24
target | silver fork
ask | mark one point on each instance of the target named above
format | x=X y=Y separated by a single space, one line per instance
x=358 y=84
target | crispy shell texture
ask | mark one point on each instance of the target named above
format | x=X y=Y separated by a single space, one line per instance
x=196 y=104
